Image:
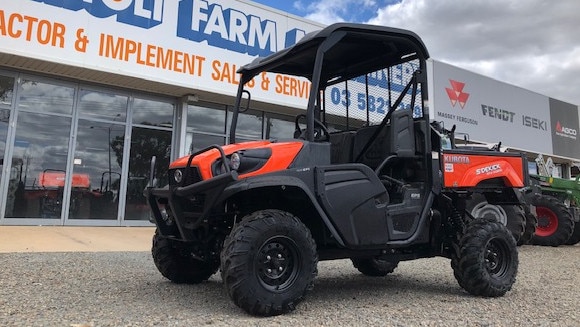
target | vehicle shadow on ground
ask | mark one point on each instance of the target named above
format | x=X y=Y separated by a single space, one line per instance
x=212 y=297
x=358 y=285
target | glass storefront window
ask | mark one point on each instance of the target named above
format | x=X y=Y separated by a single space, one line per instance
x=249 y=126
x=145 y=143
x=38 y=165
x=206 y=119
x=148 y=141
x=279 y=127
x=13 y=178
x=6 y=90
x=102 y=105
x=98 y=159
x=153 y=113
x=198 y=141
x=205 y=126
x=46 y=98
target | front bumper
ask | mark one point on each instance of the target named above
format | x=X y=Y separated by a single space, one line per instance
x=189 y=206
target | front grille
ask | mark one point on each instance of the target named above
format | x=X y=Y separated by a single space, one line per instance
x=190 y=176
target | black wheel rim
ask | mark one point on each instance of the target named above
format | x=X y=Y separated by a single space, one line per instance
x=278 y=263
x=497 y=257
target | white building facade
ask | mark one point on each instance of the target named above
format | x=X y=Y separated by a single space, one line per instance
x=91 y=89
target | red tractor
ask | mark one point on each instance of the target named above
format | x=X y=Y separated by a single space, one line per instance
x=367 y=176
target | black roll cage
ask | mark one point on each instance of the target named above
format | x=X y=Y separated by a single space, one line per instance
x=335 y=54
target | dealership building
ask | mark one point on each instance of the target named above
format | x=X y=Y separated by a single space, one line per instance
x=90 y=90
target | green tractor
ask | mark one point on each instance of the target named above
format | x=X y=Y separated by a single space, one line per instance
x=557 y=207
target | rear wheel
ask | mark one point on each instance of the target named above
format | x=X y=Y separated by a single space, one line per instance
x=374 y=267
x=177 y=264
x=511 y=216
x=487 y=260
x=269 y=263
x=555 y=224
x=531 y=225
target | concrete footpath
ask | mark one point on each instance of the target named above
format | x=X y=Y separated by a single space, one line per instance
x=74 y=239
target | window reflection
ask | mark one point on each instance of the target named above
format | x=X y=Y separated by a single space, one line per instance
x=199 y=141
x=279 y=127
x=47 y=98
x=206 y=119
x=153 y=113
x=12 y=176
x=39 y=163
x=205 y=126
x=98 y=159
x=6 y=90
x=249 y=125
x=145 y=143
x=102 y=105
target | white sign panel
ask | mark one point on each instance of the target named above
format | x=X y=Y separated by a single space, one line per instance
x=191 y=43
x=489 y=110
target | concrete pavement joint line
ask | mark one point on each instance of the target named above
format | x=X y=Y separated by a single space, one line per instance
x=74 y=239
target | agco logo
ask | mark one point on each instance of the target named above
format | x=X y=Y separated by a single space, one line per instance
x=565 y=131
x=456 y=94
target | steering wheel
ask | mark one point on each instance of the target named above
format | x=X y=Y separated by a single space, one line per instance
x=321 y=133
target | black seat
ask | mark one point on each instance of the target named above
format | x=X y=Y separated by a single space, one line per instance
x=341 y=145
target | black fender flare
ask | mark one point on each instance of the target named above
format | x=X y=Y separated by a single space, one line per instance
x=280 y=181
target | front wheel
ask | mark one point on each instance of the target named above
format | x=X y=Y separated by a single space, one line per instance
x=176 y=263
x=269 y=263
x=487 y=261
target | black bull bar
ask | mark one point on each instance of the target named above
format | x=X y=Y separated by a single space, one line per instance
x=187 y=217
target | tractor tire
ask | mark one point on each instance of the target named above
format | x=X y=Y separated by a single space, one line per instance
x=575 y=237
x=531 y=225
x=511 y=216
x=487 y=262
x=269 y=262
x=555 y=224
x=175 y=264
x=374 y=267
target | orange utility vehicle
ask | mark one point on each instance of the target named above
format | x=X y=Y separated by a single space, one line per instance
x=368 y=177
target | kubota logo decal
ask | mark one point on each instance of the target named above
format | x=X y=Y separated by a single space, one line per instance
x=565 y=131
x=456 y=94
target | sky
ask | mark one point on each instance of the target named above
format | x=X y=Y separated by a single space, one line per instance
x=534 y=44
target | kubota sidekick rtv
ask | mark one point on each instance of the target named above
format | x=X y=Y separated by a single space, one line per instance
x=365 y=176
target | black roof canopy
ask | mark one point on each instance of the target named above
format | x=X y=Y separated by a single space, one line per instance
x=349 y=50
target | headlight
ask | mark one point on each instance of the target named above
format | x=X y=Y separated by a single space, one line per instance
x=178 y=176
x=235 y=161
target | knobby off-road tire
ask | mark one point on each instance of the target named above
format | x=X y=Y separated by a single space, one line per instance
x=175 y=264
x=374 y=267
x=511 y=216
x=575 y=237
x=531 y=225
x=555 y=224
x=269 y=263
x=487 y=262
